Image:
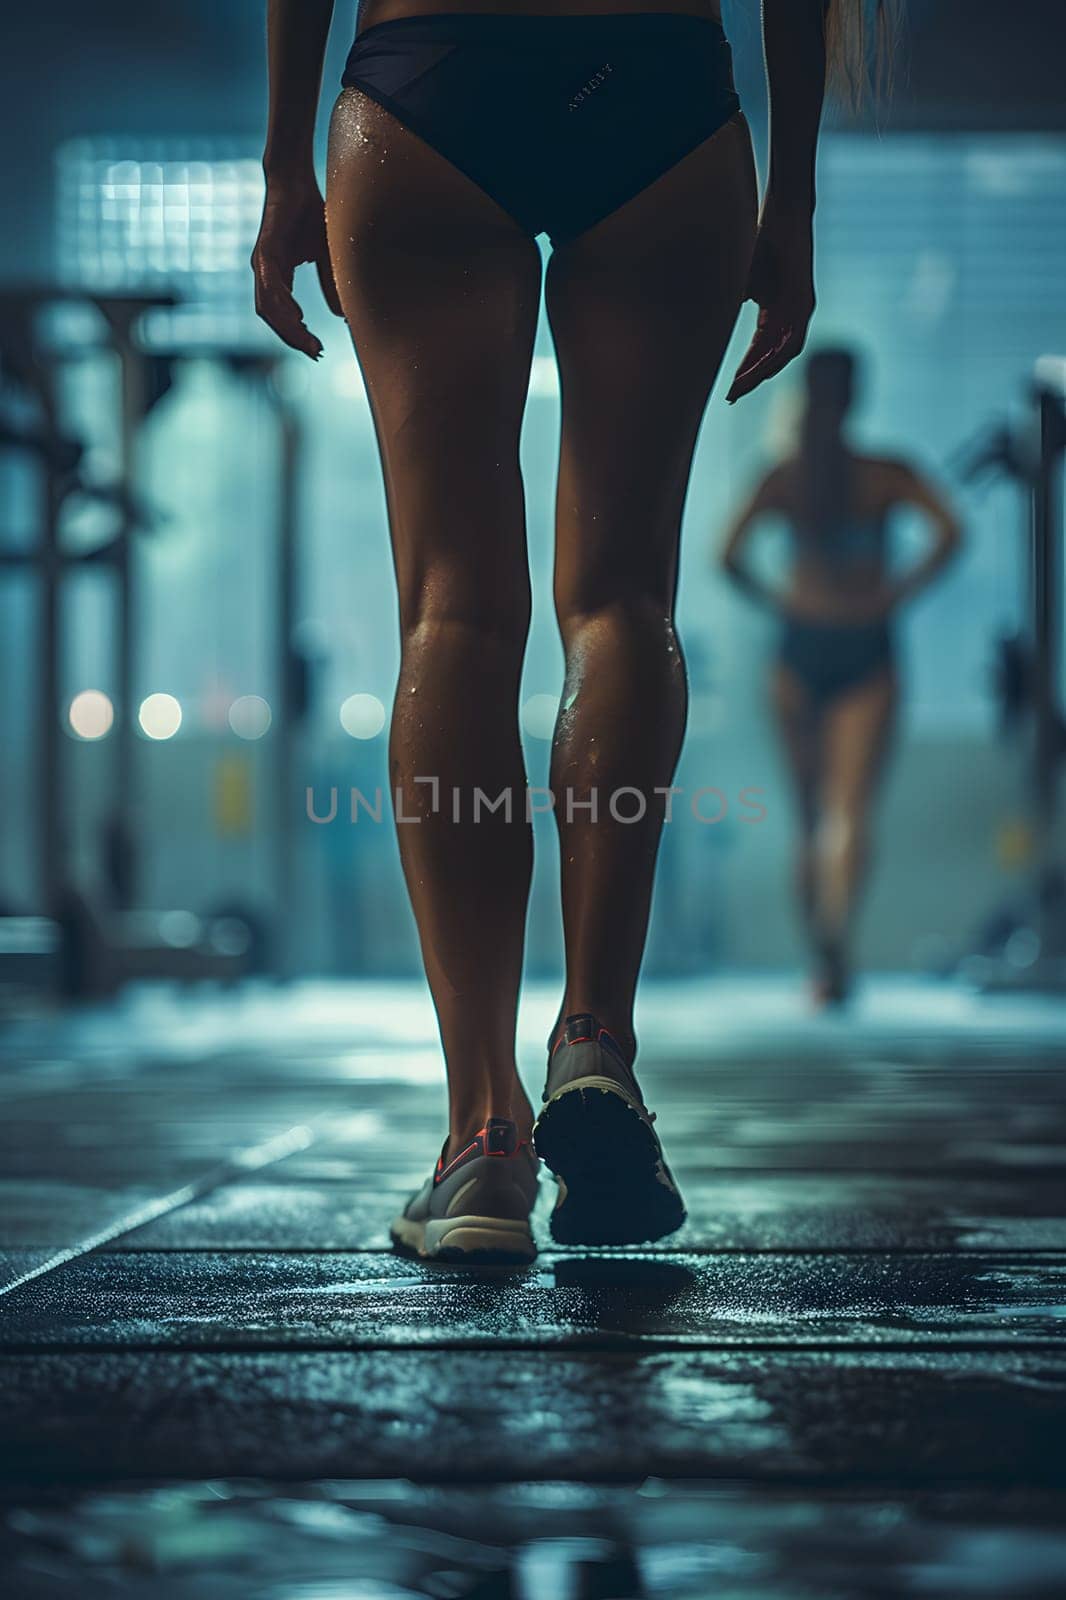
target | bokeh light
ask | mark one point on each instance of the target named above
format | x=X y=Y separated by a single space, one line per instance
x=159 y=716
x=249 y=717
x=362 y=716
x=91 y=714
x=539 y=714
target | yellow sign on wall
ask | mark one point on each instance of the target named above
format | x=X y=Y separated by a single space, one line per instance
x=232 y=796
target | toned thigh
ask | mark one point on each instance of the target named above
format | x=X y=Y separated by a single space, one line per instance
x=440 y=288
x=857 y=735
x=798 y=723
x=642 y=306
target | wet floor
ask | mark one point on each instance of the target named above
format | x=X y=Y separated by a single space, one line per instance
x=845 y=1376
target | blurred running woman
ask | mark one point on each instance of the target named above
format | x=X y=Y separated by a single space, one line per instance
x=835 y=688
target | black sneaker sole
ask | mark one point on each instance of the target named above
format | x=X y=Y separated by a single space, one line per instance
x=609 y=1161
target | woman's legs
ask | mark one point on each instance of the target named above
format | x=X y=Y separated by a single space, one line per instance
x=856 y=734
x=641 y=308
x=798 y=725
x=441 y=291
x=836 y=755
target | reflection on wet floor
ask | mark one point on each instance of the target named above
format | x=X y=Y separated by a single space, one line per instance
x=844 y=1377
x=551 y=1541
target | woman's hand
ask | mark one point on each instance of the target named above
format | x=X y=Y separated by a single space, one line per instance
x=781 y=282
x=293 y=230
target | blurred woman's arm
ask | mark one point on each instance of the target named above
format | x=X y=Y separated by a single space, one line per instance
x=293 y=228
x=764 y=499
x=909 y=487
x=781 y=279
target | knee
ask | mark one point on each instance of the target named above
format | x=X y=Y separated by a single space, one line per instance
x=468 y=617
x=843 y=831
x=641 y=605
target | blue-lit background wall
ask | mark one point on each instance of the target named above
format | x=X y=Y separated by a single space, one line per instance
x=940 y=256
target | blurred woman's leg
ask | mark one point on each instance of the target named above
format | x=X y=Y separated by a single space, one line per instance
x=857 y=733
x=798 y=726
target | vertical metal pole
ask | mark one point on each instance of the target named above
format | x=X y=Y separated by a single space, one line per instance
x=126 y=843
x=1047 y=578
x=1047 y=533
x=122 y=314
x=48 y=730
x=290 y=687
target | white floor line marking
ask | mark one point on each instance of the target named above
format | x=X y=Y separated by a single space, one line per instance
x=250 y=1160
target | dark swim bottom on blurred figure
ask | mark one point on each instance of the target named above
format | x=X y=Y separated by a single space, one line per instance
x=559 y=119
x=830 y=659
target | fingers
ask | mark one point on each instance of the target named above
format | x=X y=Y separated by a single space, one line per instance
x=763 y=360
x=276 y=304
x=777 y=341
x=763 y=343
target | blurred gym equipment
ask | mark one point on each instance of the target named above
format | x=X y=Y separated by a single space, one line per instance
x=90 y=942
x=1023 y=945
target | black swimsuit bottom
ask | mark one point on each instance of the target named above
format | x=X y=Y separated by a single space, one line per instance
x=830 y=659
x=559 y=119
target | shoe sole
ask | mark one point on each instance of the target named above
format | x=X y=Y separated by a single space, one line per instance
x=498 y=1240
x=608 y=1160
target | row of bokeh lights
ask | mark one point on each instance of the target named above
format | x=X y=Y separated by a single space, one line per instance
x=91 y=716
